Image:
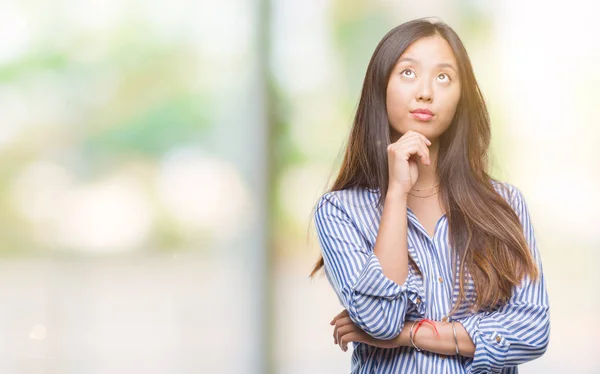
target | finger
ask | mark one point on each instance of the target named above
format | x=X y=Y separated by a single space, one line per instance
x=427 y=141
x=339 y=323
x=342 y=334
x=343 y=321
x=425 y=154
x=352 y=336
x=417 y=150
x=406 y=141
x=346 y=330
x=407 y=137
x=420 y=150
x=343 y=313
x=418 y=135
x=413 y=134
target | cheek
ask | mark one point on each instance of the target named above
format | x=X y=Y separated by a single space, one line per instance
x=451 y=102
x=396 y=100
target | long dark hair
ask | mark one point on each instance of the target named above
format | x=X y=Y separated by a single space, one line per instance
x=483 y=227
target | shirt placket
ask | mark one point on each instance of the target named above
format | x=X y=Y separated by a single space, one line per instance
x=438 y=291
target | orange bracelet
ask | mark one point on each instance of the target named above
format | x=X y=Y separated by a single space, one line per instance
x=428 y=321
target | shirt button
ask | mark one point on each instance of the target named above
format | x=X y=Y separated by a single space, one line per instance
x=441 y=279
x=498 y=338
x=418 y=300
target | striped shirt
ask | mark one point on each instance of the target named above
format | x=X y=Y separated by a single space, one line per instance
x=347 y=223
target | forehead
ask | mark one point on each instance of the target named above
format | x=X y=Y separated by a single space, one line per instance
x=430 y=51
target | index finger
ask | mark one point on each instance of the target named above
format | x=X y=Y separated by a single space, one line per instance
x=343 y=313
x=425 y=139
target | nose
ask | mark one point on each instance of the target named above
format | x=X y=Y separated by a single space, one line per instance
x=425 y=93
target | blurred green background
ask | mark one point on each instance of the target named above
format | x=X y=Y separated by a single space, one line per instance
x=159 y=163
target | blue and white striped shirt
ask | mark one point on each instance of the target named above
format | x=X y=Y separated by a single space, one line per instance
x=347 y=223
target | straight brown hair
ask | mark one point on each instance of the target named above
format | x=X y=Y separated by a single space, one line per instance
x=483 y=228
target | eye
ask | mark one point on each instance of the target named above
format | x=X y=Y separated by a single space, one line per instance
x=444 y=77
x=407 y=73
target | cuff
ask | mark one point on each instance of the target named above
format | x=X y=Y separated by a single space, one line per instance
x=372 y=282
x=491 y=344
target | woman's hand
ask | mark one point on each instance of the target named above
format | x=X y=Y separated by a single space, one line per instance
x=402 y=163
x=346 y=331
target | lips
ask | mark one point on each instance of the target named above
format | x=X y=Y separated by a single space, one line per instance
x=422 y=114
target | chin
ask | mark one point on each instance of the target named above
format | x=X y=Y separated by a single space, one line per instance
x=424 y=128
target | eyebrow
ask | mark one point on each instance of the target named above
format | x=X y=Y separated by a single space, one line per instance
x=441 y=64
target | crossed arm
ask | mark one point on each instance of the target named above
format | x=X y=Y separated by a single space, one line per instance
x=376 y=305
x=346 y=331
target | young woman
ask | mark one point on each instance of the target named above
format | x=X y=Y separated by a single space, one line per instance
x=434 y=261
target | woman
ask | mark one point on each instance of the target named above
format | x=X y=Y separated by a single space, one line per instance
x=434 y=261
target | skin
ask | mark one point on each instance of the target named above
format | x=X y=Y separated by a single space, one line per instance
x=419 y=81
x=425 y=76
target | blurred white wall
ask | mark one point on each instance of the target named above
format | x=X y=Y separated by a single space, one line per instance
x=141 y=249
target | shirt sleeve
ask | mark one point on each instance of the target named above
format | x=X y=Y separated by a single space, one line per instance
x=519 y=331
x=374 y=302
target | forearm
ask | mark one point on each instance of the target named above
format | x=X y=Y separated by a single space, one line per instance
x=444 y=344
x=391 y=247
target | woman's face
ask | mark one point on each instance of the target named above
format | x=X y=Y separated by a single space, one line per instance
x=425 y=79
